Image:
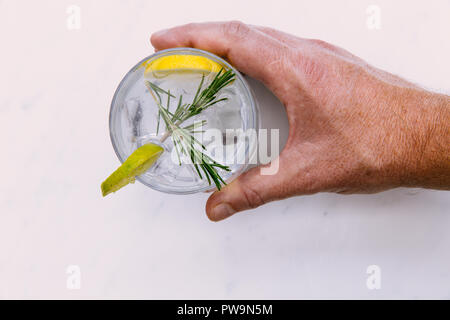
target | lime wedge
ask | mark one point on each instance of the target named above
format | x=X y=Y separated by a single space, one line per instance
x=136 y=164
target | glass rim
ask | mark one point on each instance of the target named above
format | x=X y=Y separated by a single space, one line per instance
x=253 y=105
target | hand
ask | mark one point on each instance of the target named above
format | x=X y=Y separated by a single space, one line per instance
x=352 y=128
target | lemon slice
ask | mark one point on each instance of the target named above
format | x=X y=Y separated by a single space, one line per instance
x=180 y=62
x=136 y=164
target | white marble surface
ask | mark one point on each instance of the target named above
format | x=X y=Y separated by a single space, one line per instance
x=56 y=87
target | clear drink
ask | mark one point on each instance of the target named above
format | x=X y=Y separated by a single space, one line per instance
x=134 y=122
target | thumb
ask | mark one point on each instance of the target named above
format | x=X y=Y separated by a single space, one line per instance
x=250 y=190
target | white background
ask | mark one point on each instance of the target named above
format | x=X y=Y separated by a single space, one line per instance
x=56 y=87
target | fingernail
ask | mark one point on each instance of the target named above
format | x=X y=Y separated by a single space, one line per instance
x=222 y=211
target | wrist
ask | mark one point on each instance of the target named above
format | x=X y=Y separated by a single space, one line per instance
x=427 y=153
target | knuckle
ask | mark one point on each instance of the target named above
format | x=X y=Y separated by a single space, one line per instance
x=313 y=69
x=190 y=26
x=252 y=197
x=310 y=67
x=276 y=62
x=236 y=29
x=322 y=44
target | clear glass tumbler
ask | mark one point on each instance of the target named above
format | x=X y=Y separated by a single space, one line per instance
x=133 y=121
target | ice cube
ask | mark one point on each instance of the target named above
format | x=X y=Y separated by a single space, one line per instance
x=132 y=107
x=229 y=114
x=134 y=115
x=185 y=172
x=164 y=164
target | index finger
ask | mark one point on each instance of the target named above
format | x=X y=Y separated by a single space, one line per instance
x=247 y=48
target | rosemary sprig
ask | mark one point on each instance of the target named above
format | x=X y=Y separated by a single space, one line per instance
x=183 y=137
x=157 y=91
x=207 y=97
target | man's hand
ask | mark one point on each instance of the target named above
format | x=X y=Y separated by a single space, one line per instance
x=352 y=128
